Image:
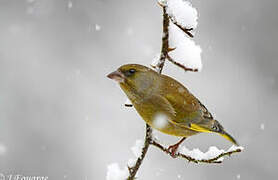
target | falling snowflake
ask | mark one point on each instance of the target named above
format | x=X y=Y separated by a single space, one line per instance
x=262 y=126
x=30 y=1
x=69 y=4
x=98 y=27
x=3 y=149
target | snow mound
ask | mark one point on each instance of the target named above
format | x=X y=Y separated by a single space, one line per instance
x=187 y=52
x=183 y=13
x=114 y=172
x=211 y=153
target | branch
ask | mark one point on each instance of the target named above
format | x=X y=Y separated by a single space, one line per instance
x=148 y=136
x=165 y=41
x=180 y=65
x=185 y=30
x=215 y=160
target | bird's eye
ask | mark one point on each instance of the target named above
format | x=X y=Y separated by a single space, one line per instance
x=131 y=71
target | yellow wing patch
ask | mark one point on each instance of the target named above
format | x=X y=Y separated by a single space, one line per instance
x=198 y=128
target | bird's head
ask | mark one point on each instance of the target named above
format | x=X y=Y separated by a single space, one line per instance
x=135 y=78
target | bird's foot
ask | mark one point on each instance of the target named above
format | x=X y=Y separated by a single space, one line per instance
x=173 y=149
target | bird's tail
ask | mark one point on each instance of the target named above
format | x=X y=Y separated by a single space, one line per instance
x=229 y=138
x=218 y=128
x=212 y=125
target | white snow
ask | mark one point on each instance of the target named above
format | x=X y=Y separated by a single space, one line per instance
x=97 y=27
x=3 y=149
x=186 y=52
x=238 y=176
x=131 y=162
x=128 y=102
x=162 y=2
x=160 y=120
x=136 y=149
x=234 y=147
x=262 y=126
x=114 y=172
x=211 y=153
x=69 y=4
x=183 y=13
x=156 y=61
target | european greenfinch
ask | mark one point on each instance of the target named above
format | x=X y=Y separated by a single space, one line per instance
x=165 y=104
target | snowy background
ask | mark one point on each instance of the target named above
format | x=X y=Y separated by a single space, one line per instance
x=61 y=117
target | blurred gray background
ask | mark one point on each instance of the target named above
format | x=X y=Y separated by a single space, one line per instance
x=61 y=117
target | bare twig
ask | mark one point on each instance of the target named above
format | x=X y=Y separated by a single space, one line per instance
x=180 y=65
x=148 y=138
x=165 y=41
x=185 y=30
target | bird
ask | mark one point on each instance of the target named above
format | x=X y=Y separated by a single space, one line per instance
x=165 y=104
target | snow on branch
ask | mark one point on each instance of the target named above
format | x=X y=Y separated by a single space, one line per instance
x=181 y=19
x=114 y=172
x=183 y=13
x=186 y=52
x=212 y=156
x=128 y=103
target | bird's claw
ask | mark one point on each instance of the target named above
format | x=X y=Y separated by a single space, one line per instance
x=173 y=149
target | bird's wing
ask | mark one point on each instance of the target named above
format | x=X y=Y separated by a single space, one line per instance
x=193 y=115
x=206 y=113
x=163 y=106
x=190 y=112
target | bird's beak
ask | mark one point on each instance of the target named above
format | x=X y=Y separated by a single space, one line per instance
x=117 y=76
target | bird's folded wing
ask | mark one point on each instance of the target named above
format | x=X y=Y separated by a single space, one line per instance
x=198 y=120
x=193 y=116
x=163 y=105
x=166 y=107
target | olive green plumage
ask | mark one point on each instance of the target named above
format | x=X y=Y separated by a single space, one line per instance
x=158 y=98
